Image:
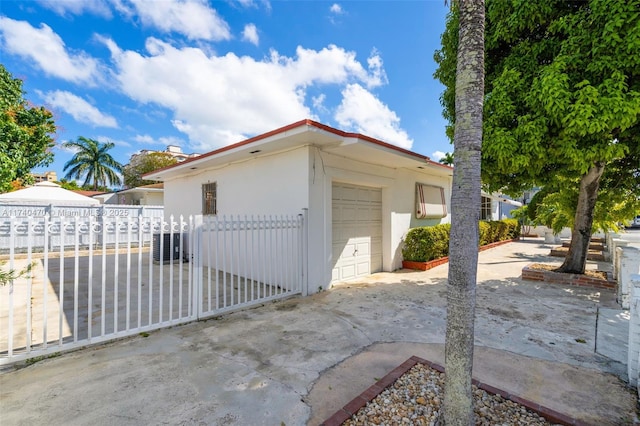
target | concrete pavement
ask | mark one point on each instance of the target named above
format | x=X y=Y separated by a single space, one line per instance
x=297 y=361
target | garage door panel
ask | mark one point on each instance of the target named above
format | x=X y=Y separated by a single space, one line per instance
x=363 y=248
x=363 y=268
x=349 y=249
x=347 y=272
x=349 y=214
x=376 y=196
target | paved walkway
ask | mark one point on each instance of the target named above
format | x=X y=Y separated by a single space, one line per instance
x=297 y=361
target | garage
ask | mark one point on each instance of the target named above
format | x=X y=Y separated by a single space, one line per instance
x=356 y=231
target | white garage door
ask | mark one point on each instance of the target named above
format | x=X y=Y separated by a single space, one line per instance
x=357 y=231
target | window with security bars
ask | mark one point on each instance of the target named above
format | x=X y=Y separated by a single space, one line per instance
x=209 y=199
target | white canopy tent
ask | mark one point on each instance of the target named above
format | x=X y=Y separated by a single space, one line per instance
x=46 y=193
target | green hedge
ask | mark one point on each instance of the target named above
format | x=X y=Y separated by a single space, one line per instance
x=432 y=242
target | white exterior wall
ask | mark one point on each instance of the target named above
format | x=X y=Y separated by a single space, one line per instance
x=275 y=184
x=398 y=207
x=633 y=359
x=627 y=264
x=154 y=199
x=401 y=210
x=288 y=182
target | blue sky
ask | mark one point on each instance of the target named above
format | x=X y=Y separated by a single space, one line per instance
x=204 y=74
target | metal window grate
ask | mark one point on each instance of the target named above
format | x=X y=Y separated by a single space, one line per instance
x=209 y=199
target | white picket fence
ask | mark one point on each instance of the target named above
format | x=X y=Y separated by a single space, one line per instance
x=121 y=277
x=99 y=213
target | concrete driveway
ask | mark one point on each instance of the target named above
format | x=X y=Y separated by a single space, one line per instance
x=297 y=361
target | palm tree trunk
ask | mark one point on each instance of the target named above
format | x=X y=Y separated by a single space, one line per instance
x=465 y=213
x=576 y=259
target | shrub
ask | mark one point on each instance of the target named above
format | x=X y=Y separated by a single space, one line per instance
x=514 y=228
x=484 y=233
x=426 y=243
x=432 y=242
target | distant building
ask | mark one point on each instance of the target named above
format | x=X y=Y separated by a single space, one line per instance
x=45 y=177
x=146 y=195
x=173 y=150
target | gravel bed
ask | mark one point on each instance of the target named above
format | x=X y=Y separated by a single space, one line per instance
x=416 y=399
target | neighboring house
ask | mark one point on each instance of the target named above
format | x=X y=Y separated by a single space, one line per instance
x=173 y=150
x=145 y=195
x=88 y=193
x=497 y=206
x=46 y=194
x=362 y=194
x=49 y=176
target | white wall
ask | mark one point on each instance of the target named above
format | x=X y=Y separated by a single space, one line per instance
x=153 y=199
x=402 y=210
x=302 y=178
x=398 y=207
x=275 y=184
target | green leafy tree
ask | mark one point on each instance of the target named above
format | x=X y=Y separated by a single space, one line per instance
x=68 y=184
x=145 y=163
x=25 y=133
x=92 y=162
x=562 y=105
x=447 y=159
x=465 y=208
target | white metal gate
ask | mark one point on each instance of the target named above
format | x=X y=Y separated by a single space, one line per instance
x=87 y=280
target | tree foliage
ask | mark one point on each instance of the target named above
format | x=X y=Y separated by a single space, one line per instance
x=145 y=163
x=92 y=162
x=447 y=159
x=71 y=185
x=25 y=133
x=562 y=105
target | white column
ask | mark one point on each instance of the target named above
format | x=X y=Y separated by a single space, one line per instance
x=615 y=258
x=628 y=264
x=634 y=332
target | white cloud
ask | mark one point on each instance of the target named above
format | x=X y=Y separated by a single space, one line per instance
x=164 y=140
x=170 y=140
x=76 y=7
x=81 y=110
x=218 y=100
x=145 y=139
x=193 y=18
x=330 y=65
x=254 y=3
x=438 y=155
x=48 y=51
x=318 y=102
x=336 y=8
x=116 y=142
x=336 y=11
x=361 y=111
x=250 y=34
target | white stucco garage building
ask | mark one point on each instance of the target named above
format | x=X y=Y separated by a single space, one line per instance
x=362 y=194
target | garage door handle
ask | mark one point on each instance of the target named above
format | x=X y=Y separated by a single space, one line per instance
x=355 y=252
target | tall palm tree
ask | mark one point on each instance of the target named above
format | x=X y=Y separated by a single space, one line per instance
x=447 y=159
x=93 y=162
x=465 y=205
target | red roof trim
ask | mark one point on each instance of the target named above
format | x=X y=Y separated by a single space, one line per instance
x=306 y=122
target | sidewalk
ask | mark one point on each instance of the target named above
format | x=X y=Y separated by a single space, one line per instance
x=297 y=361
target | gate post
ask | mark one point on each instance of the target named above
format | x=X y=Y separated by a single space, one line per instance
x=304 y=238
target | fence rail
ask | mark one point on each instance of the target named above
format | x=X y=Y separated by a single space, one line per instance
x=67 y=214
x=91 y=279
